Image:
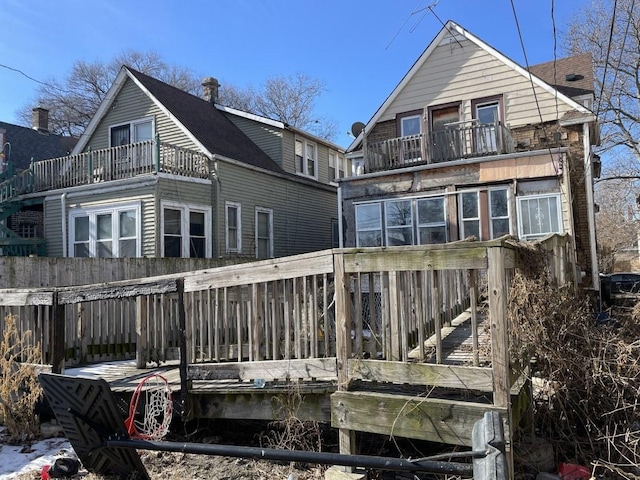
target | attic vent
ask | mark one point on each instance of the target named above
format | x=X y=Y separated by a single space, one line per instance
x=573 y=77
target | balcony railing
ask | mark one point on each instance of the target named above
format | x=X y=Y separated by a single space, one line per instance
x=456 y=141
x=117 y=163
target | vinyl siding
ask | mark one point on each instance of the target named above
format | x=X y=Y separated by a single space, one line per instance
x=302 y=214
x=322 y=150
x=455 y=73
x=268 y=138
x=132 y=104
x=93 y=199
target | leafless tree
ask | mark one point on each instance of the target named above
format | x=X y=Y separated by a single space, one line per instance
x=612 y=36
x=73 y=101
x=289 y=99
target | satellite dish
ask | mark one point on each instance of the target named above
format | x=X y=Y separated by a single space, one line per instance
x=357 y=128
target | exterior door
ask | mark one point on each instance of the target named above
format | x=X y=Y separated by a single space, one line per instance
x=446 y=139
x=487 y=118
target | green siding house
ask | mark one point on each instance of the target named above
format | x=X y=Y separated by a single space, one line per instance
x=162 y=173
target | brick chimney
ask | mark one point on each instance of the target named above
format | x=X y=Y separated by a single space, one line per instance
x=40 y=119
x=210 y=88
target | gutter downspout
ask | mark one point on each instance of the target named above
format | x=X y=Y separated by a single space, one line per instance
x=63 y=208
x=340 y=213
x=591 y=215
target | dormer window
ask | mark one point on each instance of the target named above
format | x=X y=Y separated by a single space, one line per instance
x=306 y=158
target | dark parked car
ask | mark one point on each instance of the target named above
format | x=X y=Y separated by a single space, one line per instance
x=620 y=288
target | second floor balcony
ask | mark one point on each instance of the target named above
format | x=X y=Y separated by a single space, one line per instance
x=116 y=163
x=456 y=141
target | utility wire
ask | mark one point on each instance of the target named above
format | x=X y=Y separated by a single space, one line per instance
x=23 y=74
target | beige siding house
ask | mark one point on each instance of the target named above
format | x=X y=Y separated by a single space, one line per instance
x=472 y=145
x=160 y=172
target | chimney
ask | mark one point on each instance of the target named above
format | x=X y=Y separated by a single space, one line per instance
x=40 y=119
x=210 y=90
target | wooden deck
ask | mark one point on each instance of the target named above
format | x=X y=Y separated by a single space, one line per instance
x=379 y=340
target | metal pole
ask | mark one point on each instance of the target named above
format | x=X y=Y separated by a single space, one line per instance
x=381 y=463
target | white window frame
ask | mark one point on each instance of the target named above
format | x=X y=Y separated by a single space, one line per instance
x=132 y=124
x=186 y=209
x=114 y=211
x=464 y=220
x=306 y=158
x=526 y=198
x=387 y=216
x=238 y=208
x=410 y=117
x=338 y=164
x=376 y=229
x=269 y=212
x=442 y=223
x=499 y=217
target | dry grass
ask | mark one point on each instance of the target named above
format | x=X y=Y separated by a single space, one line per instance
x=19 y=388
x=589 y=409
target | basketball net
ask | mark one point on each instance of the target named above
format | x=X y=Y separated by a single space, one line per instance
x=150 y=409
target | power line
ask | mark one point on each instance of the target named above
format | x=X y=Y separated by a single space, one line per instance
x=24 y=74
x=606 y=61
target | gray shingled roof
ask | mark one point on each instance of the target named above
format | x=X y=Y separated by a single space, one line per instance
x=27 y=144
x=212 y=128
x=581 y=65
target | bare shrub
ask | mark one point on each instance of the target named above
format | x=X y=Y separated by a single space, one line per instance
x=589 y=405
x=19 y=388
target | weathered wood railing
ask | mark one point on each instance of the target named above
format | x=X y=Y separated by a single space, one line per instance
x=364 y=309
x=115 y=163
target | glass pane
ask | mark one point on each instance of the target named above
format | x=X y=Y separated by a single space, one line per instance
x=105 y=226
x=472 y=227
x=299 y=157
x=431 y=210
x=410 y=126
x=499 y=207
x=432 y=235
x=81 y=250
x=370 y=239
x=104 y=250
x=311 y=160
x=487 y=113
x=172 y=221
x=263 y=225
x=128 y=248
x=368 y=217
x=398 y=213
x=400 y=236
x=263 y=248
x=172 y=246
x=232 y=217
x=196 y=223
x=542 y=216
x=120 y=135
x=526 y=222
x=128 y=224
x=470 y=205
x=197 y=247
x=233 y=239
x=143 y=131
x=81 y=229
x=553 y=215
x=500 y=227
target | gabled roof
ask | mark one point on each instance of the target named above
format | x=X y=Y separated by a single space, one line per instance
x=209 y=128
x=29 y=144
x=572 y=76
x=453 y=29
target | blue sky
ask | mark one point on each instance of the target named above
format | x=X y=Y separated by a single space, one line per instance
x=359 y=49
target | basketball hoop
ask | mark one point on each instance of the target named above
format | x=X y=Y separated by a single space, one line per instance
x=150 y=409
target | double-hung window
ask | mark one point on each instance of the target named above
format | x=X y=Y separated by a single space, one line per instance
x=539 y=215
x=306 y=154
x=336 y=166
x=264 y=233
x=398 y=216
x=105 y=232
x=499 y=212
x=470 y=215
x=234 y=227
x=368 y=225
x=432 y=226
x=186 y=231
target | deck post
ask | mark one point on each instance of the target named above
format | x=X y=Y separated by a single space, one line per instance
x=497 y=292
x=142 y=346
x=346 y=438
x=58 y=335
x=182 y=327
